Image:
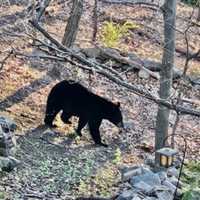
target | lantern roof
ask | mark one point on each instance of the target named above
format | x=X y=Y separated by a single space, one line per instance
x=167 y=151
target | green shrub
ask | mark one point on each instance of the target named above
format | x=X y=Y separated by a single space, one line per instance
x=191 y=181
x=112 y=32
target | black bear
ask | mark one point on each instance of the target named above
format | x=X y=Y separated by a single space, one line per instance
x=75 y=100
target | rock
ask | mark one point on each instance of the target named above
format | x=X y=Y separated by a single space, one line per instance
x=160 y=188
x=8 y=163
x=144 y=187
x=177 y=163
x=149 y=178
x=3 y=148
x=7 y=124
x=147 y=185
x=143 y=74
x=127 y=185
x=136 y=197
x=7 y=143
x=126 y=195
x=91 y=52
x=145 y=170
x=164 y=195
x=162 y=175
x=150 y=198
x=169 y=185
x=172 y=171
x=150 y=161
x=132 y=56
x=76 y=49
x=130 y=173
x=174 y=181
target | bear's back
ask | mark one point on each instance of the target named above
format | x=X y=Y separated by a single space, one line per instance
x=74 y=94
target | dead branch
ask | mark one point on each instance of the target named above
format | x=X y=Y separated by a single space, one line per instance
x=124 y=60
x=192 y=55
x=4 y=60
x=98 y=67
x=41 y=9
x=133 y=3
x=41 y=56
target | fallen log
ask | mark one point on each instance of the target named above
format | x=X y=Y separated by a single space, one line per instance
x=129 y=61
x=113 y=54
x=133 y=3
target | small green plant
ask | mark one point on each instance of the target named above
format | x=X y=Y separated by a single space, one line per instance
x=101 y=183
x=2 y=195
x=112 y=32
x=191 y=180
x=117 y=156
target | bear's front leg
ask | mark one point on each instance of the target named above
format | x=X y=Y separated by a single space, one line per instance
x=51 y=112
x=49 y=122
x=94 y=131
x=81 y=123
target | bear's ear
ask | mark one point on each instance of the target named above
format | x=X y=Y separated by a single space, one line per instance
x=118 y=104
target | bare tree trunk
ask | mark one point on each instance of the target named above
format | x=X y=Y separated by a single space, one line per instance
x=198 y=16
x=95 y=21
x=169 y=13
x=73 y=22
x=43 y=5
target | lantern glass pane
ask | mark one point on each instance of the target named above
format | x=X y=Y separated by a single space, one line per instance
x=163 y=160
x=170 y=161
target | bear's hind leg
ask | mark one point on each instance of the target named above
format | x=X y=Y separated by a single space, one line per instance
x=94 y=131
x=81 y=123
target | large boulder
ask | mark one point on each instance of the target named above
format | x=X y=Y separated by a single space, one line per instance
x=7 y=144
x=7 y=124
x=8 y=163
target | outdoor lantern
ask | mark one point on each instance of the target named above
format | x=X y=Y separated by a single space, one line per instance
x=166 y=155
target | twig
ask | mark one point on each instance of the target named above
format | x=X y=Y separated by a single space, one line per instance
x=42 y=7
x=95 y=20
x=4 y=60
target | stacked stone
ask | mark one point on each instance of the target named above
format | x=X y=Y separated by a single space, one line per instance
x=7 y=144
x=142 y=183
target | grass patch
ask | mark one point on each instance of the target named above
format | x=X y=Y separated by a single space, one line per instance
x=101 y=184
x=191 y=181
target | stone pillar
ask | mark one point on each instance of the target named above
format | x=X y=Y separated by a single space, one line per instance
x=7 y=144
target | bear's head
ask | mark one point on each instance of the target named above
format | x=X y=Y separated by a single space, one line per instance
x=116 y=115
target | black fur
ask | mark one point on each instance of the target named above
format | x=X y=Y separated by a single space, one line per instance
x=75 y=100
